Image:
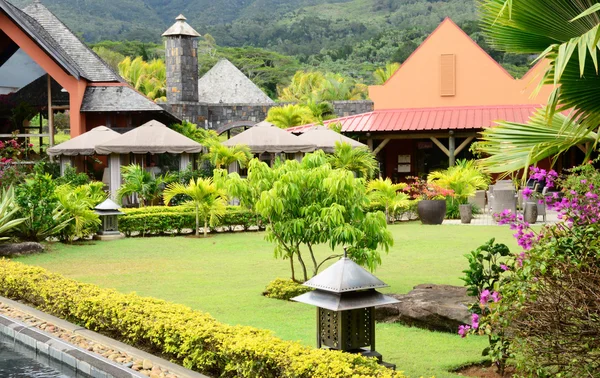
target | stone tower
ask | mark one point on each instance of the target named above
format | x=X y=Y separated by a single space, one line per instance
x=181 y=59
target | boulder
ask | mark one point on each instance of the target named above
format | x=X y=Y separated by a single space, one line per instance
x=434 y=307
x=12 y=249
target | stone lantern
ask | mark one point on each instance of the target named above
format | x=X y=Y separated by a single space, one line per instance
x=108 y=211
x=345 y=297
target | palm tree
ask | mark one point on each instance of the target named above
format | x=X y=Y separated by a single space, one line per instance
x=388 y=194
x=208 y=200
x=383 y=74
x=150 y=78
x=564 y=34
x=223 y=156
x=464 y=178
x=136 y=180
x=77 y=204
x=290 y=115
x=358 y=160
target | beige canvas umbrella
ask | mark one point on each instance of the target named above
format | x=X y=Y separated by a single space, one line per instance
x=325 y=138
x=152 y=137
x=84 y=144
x=266 y=137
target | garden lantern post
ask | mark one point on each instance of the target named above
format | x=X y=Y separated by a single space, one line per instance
x=345 y=298
x=108 y=211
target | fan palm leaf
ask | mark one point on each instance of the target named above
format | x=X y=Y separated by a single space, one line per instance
x=360 y=161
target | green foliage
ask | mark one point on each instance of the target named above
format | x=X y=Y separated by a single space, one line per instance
x=284 y=289
x=113 y=58
x=205 y=197
x=77 y=203
x=73 y=178
x=290 y=115
x=359 y=161
x=203 y=136
x=8 y=214
x=138 y=181
x=192 y=338
x=315 y=86
x=464 y=179
x=39 y=205
x=221 y=156
x=383 y=74
x=150 y=78
x=453 y=208
x=310 y=204
x=163 y=220
x=390 y=195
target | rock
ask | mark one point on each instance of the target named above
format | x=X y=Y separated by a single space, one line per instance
x=136 y=367
x=434 y=307
x=128 y=364
x=154 y=375
x=113 y=357
x=147 y=364
x=13 y=249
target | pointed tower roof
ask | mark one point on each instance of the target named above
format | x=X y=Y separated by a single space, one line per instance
x=226 y=84
x=181 y=28
x=345 y=276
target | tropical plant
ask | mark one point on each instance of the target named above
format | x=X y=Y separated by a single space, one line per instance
x=8 y=214
x=390 y=195
x=310 y=203
x=150 y=78
x=420 y=189
x=360 y=161
x=464 y=178
x=317 y=87
x=209 y=202
x=138 y=181
x=565 y=36
x=203 y=136
x=222 y=156
x=77 y=203
x=290 y=115
x=383 y=74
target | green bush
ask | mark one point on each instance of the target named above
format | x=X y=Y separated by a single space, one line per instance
x=285 y=289
x=155 y=220
x=192 y=338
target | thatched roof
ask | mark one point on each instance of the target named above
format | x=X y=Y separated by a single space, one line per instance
x=84 y=144
x=226 y=84
x=325 y=138
x=152 y=137
x=266 y=137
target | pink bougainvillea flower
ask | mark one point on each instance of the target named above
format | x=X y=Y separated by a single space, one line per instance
x=484 y=297
x=496 y=296
x=475 y=321
x=462 y=330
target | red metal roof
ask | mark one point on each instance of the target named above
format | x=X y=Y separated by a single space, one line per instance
x=430 y=119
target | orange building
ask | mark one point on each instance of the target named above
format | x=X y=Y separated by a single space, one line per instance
x=431 y=110
x=62 y=74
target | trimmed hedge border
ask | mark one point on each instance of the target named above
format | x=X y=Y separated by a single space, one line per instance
x=157 y=220
x=192 y=338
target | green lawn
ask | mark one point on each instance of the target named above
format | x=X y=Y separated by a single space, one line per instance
x=225 y=275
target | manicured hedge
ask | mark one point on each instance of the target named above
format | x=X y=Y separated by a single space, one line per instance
x=173 y=219
x=285 y=289
x=192 y=338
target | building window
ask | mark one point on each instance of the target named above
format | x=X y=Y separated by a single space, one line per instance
x=448 y=75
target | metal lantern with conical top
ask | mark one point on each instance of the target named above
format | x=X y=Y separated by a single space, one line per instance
x=345 y=297
x=108 y=211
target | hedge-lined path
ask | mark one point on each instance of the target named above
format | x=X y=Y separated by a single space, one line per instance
x=225 y=274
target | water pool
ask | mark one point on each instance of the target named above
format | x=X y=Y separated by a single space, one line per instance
x=18 y=361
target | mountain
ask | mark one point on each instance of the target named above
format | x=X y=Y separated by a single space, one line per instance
x=295 y=27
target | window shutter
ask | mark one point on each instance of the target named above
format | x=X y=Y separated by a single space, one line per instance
x=448 y=75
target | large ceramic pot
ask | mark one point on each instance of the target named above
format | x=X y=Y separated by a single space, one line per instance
x=466 y=213
x=530 y=213
x=432 y=211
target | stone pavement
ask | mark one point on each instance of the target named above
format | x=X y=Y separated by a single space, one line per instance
x=486 y=219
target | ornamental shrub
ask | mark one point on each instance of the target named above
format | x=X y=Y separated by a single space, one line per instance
x=192 y=338
x=157 y=220
x=285 y=289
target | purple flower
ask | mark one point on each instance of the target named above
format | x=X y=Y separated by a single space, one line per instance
x=504 y=267
x=484 y=297
x=462 y=330
x=496 y=296
x=475 y=321
x=527 y=192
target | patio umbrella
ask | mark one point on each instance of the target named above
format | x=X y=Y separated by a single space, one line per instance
x=152 y=137
x=266 y=137
x=84 y=144
x=325 y=138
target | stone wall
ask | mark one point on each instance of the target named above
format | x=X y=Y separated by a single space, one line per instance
x=215 y=116
x=182 y=69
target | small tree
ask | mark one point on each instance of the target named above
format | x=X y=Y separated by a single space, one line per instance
x=209 y=201
x=310 y=203
x=136 y=180
x=360 y=161
x=222 y=156
x=290 y=115
x=388 y=194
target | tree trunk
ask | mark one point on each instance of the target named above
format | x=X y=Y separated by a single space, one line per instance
x=314 y=260
x=302 y=264
x=387 y=214
x=292 y=266
x=205 y=226
x=197 y=221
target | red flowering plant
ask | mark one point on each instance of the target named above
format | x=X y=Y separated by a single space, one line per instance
x=420 y=189
x=11 y=151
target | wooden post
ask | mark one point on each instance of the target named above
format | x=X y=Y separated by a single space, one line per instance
x=370 y=144
x=451 y=149
x=50 y=113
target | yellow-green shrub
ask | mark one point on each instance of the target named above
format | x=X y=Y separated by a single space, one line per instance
x=285 y=289
x=192 y=338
